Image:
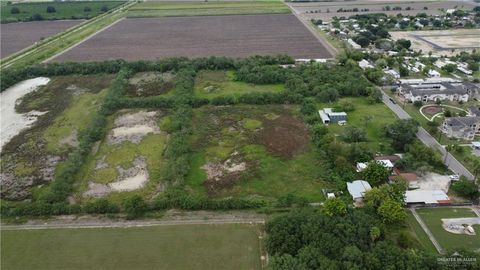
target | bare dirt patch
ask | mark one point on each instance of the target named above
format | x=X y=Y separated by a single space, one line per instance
x=150 y=84
x=133 y=127
x=431 y=110
x=201 y=36
x=130 y=179
x=284 y=136
x=221 y=175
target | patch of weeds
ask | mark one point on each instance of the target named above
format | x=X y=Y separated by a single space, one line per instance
x=251 y=123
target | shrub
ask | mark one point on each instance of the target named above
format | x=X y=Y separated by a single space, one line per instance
x=134 y=206
x=87 y=9
x=418 y=103
x=14 y=10
x=51 y=9
x=104 y=9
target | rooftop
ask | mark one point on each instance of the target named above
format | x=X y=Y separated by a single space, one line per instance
x=358 y=188
x=426 y=196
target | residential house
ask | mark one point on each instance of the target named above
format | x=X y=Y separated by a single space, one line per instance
x=353 y=44
x=392 y=73
x=433 y=73
x=329 y=116
x=461 y=127
x=357 y=189
x=385 y=162
x=364 y=64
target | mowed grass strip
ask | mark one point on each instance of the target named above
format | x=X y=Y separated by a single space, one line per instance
x=231 y=246
x=433 y=219
x=169 y=9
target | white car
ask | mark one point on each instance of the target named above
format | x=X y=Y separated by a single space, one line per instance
x=454 y=177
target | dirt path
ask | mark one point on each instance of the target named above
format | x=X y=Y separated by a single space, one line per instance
x=172 y=217
x=427 y=231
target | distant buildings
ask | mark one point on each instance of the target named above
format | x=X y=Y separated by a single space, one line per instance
x=329 y=116
x=385 y=162
x=364 y=64
x=426 y=92
x=461 y=127
x=353 y=44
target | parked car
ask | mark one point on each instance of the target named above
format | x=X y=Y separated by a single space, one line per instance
x=393 y=101
x=454 y=177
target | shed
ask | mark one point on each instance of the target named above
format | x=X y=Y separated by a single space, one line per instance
x=358 y=188
x=436 y=196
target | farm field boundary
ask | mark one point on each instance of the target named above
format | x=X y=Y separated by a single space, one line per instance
x=37 y=53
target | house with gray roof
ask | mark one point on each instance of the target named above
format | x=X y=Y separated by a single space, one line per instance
x=461 y=127
x=431 y=92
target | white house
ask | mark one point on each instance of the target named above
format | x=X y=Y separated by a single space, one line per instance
x=426 y=92
x=364 y=64
x=392 y=73
x=385 y=162
x=357 y=189
x=353 y=44
x=433 y=74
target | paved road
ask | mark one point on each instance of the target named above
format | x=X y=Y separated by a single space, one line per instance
x=450 y=161
x=427 y=231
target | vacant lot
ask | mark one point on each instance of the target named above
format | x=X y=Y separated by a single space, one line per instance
x=62 y=10
x=253 y=150
x=432 y=218
x=211 y=84
x=204 y=8
x=328 y=10
x=128 y=159
x=441 y=41
x=159 y=247
x=68 y=104
x=239 y=36
x=17 y=36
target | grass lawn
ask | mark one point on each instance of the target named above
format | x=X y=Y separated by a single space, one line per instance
x=466 y=157
x=260 y=140
x=210 y=84
x=378 y=114
x=64 y=10
x=419 y=233
x=166 y=9
x=158 y=247
x=432 y=218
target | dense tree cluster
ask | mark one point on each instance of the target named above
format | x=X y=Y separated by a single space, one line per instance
x=311 y=240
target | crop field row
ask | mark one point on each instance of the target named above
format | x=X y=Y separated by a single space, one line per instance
x=18 y=36
x=170 y=9
x=239 y=36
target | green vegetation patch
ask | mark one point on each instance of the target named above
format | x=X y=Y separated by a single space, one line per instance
x=210 y=84
x=207 y=8
x=240 y=151
x=146 y=84
x=371 y=118
x=433 y=219
x=133 y=146
x=55 y=10
x=158 y=247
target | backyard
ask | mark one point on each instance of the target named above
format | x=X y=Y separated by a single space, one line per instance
x=432 y=218
x=232 y=246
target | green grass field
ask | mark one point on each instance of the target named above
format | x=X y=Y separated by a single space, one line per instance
x=64 y=10
x=171 y=9
x=260 y=137
x=419 y=233
x=159 y=247
x=210 y=84
x=432 y=218
x=378 y=114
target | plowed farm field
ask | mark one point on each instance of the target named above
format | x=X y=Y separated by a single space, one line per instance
x=234 y=36
x=18 y=36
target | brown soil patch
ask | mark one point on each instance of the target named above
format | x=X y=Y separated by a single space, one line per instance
x=284 y=136
x=432 y=110
x=224 y=175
